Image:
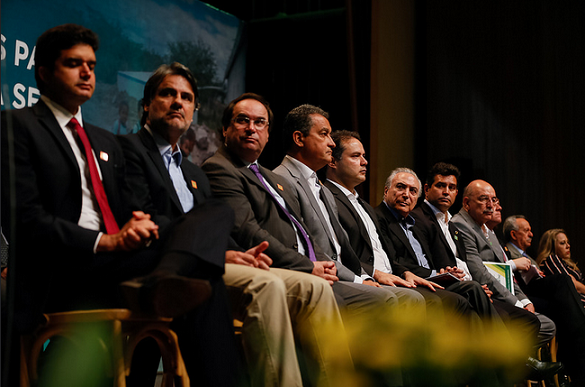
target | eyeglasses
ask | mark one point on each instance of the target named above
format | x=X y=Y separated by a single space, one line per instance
x=486 y=199
x=242 y=122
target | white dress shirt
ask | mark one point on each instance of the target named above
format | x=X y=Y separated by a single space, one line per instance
x=381 y=260
x=91 y=217
x=444 y=224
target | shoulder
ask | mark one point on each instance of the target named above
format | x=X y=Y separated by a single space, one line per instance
x=383 y=212
x=192 y=170
x=218 y=161
x=334 y=189
x=419 y=215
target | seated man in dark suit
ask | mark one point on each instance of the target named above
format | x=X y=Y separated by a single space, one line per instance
x=71 y=199
x=401 y=193
x=444 y=240
x=168 y=185
x=345 y=172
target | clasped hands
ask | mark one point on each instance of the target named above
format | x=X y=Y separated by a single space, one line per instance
x=138 y=232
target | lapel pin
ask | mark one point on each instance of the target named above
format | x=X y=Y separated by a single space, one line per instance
x=194 y=184
x=104 y=156
x=280 y=187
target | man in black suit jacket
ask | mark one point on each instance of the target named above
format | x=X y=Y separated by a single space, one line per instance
x=346 y=171
x=401 y=193
x=106 y=242
x=258 y=294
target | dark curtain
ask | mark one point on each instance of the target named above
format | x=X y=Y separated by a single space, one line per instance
x=501 y=94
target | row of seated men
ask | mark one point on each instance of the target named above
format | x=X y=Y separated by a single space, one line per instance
x=283 y=251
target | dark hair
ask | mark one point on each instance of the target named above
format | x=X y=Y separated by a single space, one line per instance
x=158 y=77
x=54 y=40
x=226 y=120
x=443 y=169
x=339 y=138
x=299 y=119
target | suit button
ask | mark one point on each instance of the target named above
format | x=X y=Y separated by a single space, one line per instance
x=371 y=259
x=296 y=246
x=334 y=257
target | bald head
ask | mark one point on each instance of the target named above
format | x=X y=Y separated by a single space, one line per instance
x=479 y=199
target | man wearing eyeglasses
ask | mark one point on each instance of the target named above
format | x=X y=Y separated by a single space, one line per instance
x=266 y=210
x=481 y=244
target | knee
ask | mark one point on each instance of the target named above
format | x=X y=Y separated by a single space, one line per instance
x=264 y=281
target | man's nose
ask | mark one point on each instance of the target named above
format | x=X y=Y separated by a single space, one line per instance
x=86 y=71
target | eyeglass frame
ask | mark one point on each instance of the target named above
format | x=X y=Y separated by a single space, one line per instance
x=485 y=199
x=248 y=121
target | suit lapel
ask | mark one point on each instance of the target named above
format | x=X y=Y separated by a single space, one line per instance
x=49 y=122
x=479 y=232
x=394 y=226
x=340 y=196
x=156 y=158
x=296 y=174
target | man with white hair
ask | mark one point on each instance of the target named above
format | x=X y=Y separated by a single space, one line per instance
x=401 y=192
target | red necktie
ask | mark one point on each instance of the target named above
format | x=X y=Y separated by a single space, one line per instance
x=96 y=182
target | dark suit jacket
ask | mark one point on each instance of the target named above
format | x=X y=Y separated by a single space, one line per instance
x=428 y=225
x=358 y=235
x=150 y=180
x=258 y=217
x=48 y=201
x=405 y=255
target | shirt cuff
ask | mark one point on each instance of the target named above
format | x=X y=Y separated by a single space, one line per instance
x=512 y=264
x=97 y=242
x=525 y=302
x=358 y=280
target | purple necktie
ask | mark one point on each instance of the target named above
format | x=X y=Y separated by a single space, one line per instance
x=304 y=234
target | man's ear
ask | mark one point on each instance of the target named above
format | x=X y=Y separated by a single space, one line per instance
x=298 y=138
x=466 y=203
x=332 y=164
x=513 y=235
x=426 y=189
x=44 y=73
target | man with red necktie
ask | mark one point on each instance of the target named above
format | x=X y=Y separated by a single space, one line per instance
x=78 y=234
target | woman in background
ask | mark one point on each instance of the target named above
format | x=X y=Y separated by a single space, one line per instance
x=554 y=257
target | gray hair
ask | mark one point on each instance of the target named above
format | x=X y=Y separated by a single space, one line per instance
x=510 y=225
x=403 y=170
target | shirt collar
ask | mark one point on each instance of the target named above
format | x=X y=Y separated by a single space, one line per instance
x=409 y=220
x=345 y=191
x=518 y=248
x=62 y=115
x=164 y=147
x=306 y=172
x=437 y=211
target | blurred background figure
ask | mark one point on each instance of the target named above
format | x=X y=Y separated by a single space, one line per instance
x=554 y=257
x=119 y=126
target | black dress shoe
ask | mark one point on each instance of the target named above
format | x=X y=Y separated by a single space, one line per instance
x=165 y=296
x=540 y=370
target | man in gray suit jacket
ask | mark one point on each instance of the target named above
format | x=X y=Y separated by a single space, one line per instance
x=265 y=206
x=481 y=244
x=309 y=146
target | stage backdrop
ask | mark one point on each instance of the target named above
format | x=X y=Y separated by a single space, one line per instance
x=136 y=36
